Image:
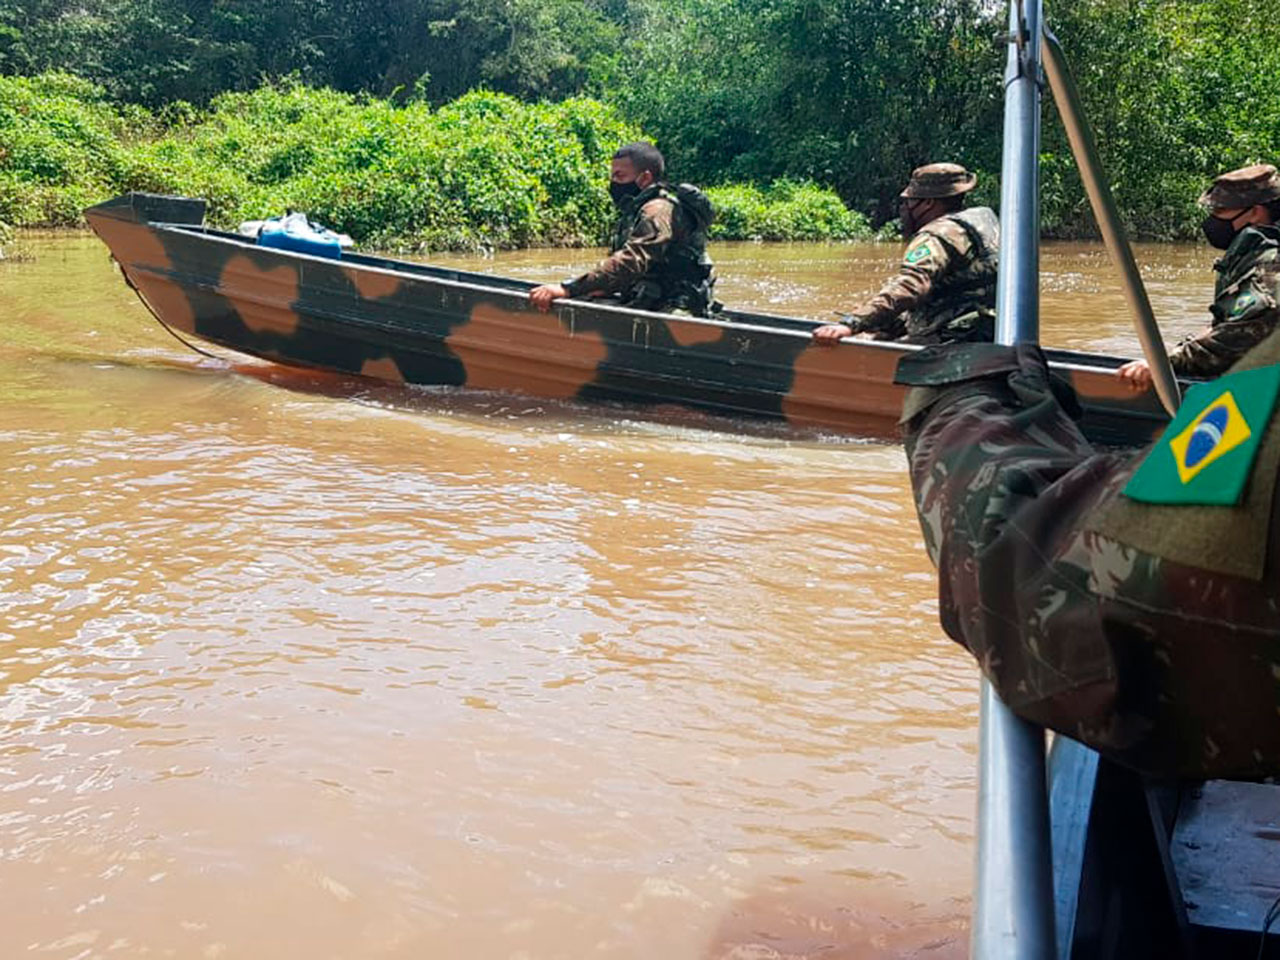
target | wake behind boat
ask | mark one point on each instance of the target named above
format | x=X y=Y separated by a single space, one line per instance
x=415 y=323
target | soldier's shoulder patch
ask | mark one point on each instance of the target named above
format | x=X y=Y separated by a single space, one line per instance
x=919 y=251
x=1242 y=304
x=1206 y=454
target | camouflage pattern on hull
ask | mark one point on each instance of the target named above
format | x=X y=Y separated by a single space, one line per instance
x=414 y=323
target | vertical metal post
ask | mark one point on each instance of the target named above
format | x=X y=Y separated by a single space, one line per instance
x=1018 y=288
x=1085 y=150
x=1013 y=891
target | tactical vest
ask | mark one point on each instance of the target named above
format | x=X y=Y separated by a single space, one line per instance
x=1248 y=276
x=684 y=278
x=963 y=304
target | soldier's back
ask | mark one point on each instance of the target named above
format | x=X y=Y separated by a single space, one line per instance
x=961 y=307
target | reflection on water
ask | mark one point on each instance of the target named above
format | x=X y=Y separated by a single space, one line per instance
x=329 y=671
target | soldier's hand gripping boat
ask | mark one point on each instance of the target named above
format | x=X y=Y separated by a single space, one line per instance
x=415 y=323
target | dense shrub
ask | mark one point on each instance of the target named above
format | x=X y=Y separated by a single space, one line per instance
x=854 y=93
x=788 y=210
x=485 y=171
x=62 y=146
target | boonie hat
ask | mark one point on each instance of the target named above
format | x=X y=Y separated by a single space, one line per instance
x=1245 y=187
x=937 y=180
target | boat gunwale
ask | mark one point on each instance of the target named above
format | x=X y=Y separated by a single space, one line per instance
x=1060 y=357
x=477 y=284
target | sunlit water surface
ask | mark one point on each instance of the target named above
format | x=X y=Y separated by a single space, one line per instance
x=291 y=669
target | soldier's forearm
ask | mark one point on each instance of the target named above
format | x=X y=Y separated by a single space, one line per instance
x=905 y=292
x=1213 y=352
x=871 y=317
x=594 y=281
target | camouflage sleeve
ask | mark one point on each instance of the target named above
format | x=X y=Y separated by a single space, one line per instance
x=1003 y=480
x=1245 y=321
x=648 y=242
x=1120 y=649
x=968 y=405
x=925 y=260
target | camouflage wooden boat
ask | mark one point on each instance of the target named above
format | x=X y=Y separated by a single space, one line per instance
x=415 y=323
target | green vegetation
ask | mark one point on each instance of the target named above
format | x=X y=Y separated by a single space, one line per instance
x=484 y=171
x=844 y=94
x=787 y=210
x=854 y=93
x=62 y=146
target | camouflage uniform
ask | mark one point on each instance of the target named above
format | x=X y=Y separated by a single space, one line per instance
x=1149 y=632
x=1246 y=296
x=658 y=258
x=1246 y=305
x=945 y=290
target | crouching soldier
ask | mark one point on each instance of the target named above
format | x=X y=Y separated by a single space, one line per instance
x=658 y=258
x=945 y=289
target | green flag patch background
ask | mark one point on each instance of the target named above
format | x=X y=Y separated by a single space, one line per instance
x=1205 y=454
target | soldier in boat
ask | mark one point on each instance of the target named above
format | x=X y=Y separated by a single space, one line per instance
x=658 y=256
x=1126 y=599
x=1243 y=209
x=945 y=289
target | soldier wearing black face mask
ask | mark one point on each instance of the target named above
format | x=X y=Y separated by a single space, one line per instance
x=1243 y=209
x=658 y=255
x=945 y=289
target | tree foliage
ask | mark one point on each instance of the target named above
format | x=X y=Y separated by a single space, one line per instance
x=483 y=171
x=155 y=51
x=846 y=93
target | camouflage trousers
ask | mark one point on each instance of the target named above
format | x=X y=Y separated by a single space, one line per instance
x=1167 y=668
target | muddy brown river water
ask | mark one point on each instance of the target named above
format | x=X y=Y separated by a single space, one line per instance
x=290 y=672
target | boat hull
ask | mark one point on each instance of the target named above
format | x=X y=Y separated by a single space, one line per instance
x=413 y=323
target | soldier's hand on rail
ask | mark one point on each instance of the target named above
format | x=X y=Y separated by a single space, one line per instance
x=832 y=333
x=1136 y=375
x=543 y=296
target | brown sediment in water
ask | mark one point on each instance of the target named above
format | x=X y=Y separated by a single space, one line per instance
x=358 y=670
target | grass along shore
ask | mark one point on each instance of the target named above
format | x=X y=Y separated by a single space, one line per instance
x=486 y=171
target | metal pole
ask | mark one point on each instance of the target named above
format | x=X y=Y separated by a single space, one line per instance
x=1067 y=97
x=1013 y=889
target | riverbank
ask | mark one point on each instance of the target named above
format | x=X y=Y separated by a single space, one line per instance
x=484 y=172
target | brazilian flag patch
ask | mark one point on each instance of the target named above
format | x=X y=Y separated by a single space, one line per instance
x=1205 y=455
x=921 y=251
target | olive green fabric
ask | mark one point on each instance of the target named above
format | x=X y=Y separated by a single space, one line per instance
x=683 y=276
x=939 y=180
x=1246 y=305
x=1229 y=539
x=1171 y=668
x=945 y=288
x=658 y=256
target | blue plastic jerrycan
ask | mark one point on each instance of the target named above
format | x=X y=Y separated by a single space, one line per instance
x=295 y=232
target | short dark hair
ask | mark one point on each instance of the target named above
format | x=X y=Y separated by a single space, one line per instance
x=643 y=156
x=952 y=204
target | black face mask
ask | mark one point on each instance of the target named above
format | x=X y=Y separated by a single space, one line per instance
x=1220 y=232
x=907 y=216
x=623 y=192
